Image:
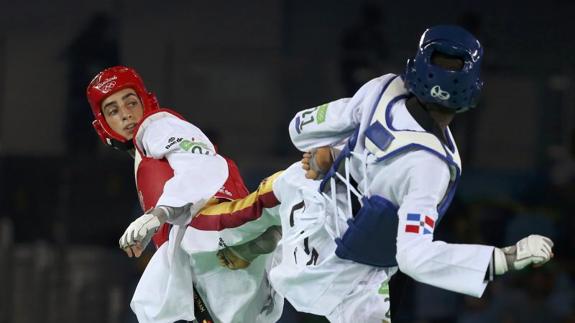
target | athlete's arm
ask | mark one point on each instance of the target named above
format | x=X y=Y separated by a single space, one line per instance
x=457 y=267
x=199 y=172
x=331 y=123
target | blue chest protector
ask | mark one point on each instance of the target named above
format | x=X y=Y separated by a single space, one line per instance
x=371 y=236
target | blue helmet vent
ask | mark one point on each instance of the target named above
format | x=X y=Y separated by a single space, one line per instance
x=457 y=90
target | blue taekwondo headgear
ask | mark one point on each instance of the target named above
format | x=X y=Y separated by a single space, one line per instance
x=457 y=90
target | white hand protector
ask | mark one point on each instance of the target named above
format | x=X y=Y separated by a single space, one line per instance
x=534 y=249
x=143 y=228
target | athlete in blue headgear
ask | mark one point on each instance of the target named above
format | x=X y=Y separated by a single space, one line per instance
x=393 y=152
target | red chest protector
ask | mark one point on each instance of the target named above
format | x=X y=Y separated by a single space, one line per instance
x=152 y=174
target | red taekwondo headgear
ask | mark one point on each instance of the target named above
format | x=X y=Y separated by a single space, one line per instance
x=108 y=82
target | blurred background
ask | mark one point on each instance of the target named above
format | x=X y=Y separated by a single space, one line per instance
x=240 y=70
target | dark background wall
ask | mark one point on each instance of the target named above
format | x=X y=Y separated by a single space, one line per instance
x=240 y=70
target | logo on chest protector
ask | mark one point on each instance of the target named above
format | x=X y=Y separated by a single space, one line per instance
x=196 y=147
x=438 y=93
x=172 y=141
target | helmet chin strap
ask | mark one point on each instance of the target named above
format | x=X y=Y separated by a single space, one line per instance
x=122 y=146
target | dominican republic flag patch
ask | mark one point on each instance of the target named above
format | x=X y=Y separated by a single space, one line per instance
x=419 y=223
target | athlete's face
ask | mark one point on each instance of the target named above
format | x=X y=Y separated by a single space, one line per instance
x=123 y=110
x=448 y=62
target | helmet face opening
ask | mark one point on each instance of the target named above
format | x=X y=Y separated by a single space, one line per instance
x=108 y=82
x=453 y=81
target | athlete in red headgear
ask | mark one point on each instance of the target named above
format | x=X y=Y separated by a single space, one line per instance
x=122 y=108
x=178 y=173
x=108 y=82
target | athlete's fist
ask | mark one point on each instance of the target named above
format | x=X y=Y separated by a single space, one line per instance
x=317 y=162
x=533 y=250
x=140 y=232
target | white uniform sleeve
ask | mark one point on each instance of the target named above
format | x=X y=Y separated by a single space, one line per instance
x=198 y=171
x=331 y=123
x=456 y=267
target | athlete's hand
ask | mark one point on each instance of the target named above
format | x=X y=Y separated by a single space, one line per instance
x=140 y=232
x=533 y=250
x=135 y=251
x=317 y=162
x=231 y=260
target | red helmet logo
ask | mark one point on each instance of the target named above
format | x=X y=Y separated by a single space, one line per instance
x=107 y=85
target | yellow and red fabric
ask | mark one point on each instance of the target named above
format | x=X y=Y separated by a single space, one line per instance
x=231 y=214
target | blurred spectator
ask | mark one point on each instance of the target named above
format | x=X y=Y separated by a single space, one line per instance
x=474 y=23
x=527 y=298
x=562 y=170
x=364 y=49
x=95 y=48
x=528 y=222
x=479 y=310
x=436 y=305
